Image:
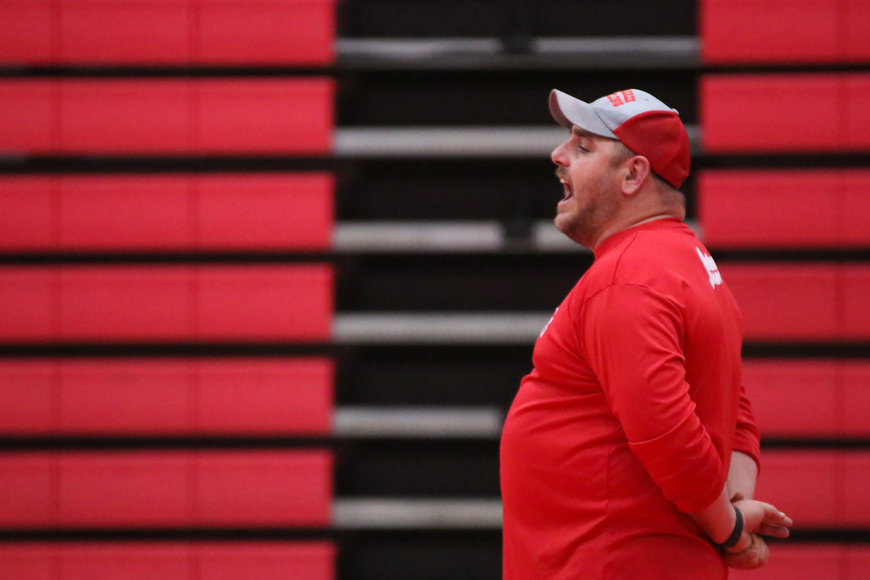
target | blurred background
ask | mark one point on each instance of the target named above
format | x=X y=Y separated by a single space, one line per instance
x=271 y=271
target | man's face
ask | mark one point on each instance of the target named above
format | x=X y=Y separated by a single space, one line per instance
x=587 y=168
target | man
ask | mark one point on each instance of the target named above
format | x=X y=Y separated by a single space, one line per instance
x=626 y=445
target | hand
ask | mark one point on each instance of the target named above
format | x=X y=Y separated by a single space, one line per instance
x=763 y=519
x=755 y=556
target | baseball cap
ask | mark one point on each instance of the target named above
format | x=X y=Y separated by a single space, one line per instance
x=642 y=122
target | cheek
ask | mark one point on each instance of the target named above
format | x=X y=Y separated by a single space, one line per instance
x=581 y=179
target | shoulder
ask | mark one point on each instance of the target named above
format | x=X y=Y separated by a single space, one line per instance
x=662 y=257
x=668 y=259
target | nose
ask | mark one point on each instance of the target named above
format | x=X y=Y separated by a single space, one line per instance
x=559 y=155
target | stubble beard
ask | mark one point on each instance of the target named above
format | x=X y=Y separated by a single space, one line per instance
x=584 y=225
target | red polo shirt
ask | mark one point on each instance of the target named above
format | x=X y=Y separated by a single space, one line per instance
x=628 y=419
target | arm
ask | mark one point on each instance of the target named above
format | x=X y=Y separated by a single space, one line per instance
x=746 y=456
x=632 y=338
x=751 y=551
x=741 y=476
x=741 y=485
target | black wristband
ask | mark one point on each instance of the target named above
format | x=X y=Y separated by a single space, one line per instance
x=736 y=534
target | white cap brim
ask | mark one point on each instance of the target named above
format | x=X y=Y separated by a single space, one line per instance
x=568 y=111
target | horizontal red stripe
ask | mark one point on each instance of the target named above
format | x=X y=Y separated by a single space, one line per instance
x=808 y=561
x=825 y=398
x=300 y=560
x=167 y=32
x=782 y=31
x=784 y=209
x=166 y=396
x=796 y=302
x=166 y=116
x=166 y=303
x=166 y=489
x=818 y=488
x=166 y=212
x=785 y=113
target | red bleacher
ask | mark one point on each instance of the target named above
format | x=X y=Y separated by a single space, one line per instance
x=139 y=396
x=298 y=31
x=801 y=302
x=134 y=485
x=190 y=212
x=785 y=113
x=784 y=31
x=165 y=116
x=786 y=301
x=162 y=303
x=821 y=489
x=167 y=32
x=811 y=561
x=264 y=211
x=300 y=560
x=166 y=489
x=809 y=398
x=784 y=209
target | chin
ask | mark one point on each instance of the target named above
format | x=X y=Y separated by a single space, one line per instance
x=573 y=228
x=562 y=223
x=566 y=225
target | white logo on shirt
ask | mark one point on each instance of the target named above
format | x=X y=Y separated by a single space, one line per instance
x=546 y=326
x=712 y=269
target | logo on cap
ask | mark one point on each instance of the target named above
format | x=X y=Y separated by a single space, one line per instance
x=621 y=97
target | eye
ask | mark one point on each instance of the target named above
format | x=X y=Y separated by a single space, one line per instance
x=582 y=148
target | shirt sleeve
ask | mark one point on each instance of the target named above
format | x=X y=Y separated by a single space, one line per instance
x=746 y=437
x=631 y=337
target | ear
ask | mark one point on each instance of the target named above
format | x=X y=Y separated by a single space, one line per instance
x=637 y=172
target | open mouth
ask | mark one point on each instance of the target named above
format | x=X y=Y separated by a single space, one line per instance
x=568 y=189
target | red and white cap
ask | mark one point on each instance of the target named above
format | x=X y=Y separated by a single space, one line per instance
x=642 y=122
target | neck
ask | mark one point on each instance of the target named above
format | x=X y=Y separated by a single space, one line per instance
x=633 y=222
x=651 y=219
